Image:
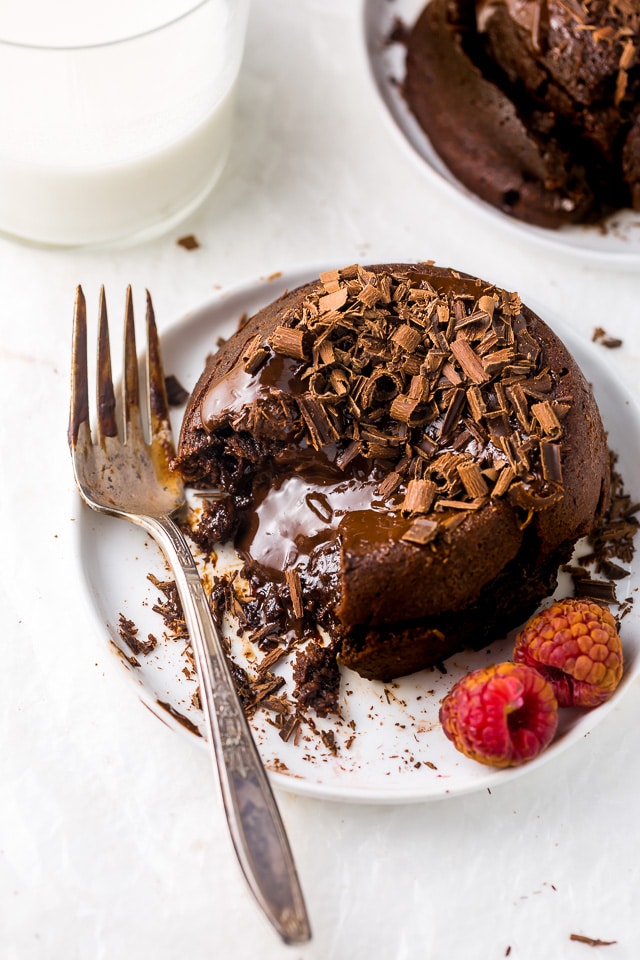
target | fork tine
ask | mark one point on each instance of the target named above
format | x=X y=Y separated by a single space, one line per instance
x=107 y=423
x=79 y=405
x=158 y=403
x=130 y=386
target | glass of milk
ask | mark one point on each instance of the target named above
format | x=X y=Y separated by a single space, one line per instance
x=116 y=117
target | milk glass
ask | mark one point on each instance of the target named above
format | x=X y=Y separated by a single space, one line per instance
x=116 y=117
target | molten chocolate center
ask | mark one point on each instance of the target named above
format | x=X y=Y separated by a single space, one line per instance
x=303 y=508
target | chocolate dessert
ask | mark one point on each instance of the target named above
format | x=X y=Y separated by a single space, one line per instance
x=534 y=105
x=401 y=454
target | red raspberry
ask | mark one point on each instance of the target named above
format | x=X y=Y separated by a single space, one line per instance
x=501 y=715
x=575 y=645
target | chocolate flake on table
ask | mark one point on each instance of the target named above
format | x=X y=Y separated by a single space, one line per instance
x=188 y=242
x=591 y=941
x=601 y=336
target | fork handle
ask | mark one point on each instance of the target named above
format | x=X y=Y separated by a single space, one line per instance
x=254 y=821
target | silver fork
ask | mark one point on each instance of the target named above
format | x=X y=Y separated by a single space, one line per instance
x=123 y=474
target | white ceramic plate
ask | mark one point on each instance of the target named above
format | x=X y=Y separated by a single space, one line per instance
x=617 y=243
x=390 y=745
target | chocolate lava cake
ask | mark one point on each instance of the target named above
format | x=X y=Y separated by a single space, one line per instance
x=534 y=105
x=400 y=453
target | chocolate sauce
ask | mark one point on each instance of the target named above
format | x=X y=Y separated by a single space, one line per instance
x=303 y=507
x=364 y=530
x=240 y=389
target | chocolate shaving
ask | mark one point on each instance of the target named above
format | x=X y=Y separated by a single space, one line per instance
x=546 y=417
x=421 y=531
x=459 y=504
x=468 y=360
x=255 y=355
x=289 y=727
x=293 y=582
x=128 y=633
x=321 y=430
x=454 y=409
x=170 y=609
x=409 y=410
x=603 y=590
x=522 y=496
x=389 y=485
x=333 y=301
x=407 y=337
x=270 y=660
x=419 y=496
x=472 y=480
x=290 y=342
x=551 y=460
x=504 y=481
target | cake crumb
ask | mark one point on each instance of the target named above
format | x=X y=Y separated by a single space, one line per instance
x=317 y=678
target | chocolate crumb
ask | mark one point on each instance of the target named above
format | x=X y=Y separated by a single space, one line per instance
x=595 y=589
x=128 y=633
x=180 y=717
x=176 y=393
x=328 y=737
x=601 y=336
x=289 y=727
x=189 y=242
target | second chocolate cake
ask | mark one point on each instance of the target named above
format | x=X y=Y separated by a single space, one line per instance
x=534 y=105
x=403 y=454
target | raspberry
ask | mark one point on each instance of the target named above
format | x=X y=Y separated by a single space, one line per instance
x=501 y=715
x=575 y=645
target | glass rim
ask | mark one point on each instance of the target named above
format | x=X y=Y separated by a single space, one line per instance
x=100 y=44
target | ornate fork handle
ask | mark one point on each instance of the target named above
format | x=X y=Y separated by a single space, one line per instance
x=254 y=821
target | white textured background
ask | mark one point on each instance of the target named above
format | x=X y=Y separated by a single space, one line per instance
x=112 y=840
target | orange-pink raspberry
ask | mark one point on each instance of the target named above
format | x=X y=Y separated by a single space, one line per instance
x=503 y=715
x=575 y=645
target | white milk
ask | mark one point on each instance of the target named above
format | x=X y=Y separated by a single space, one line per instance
x=102 y=142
